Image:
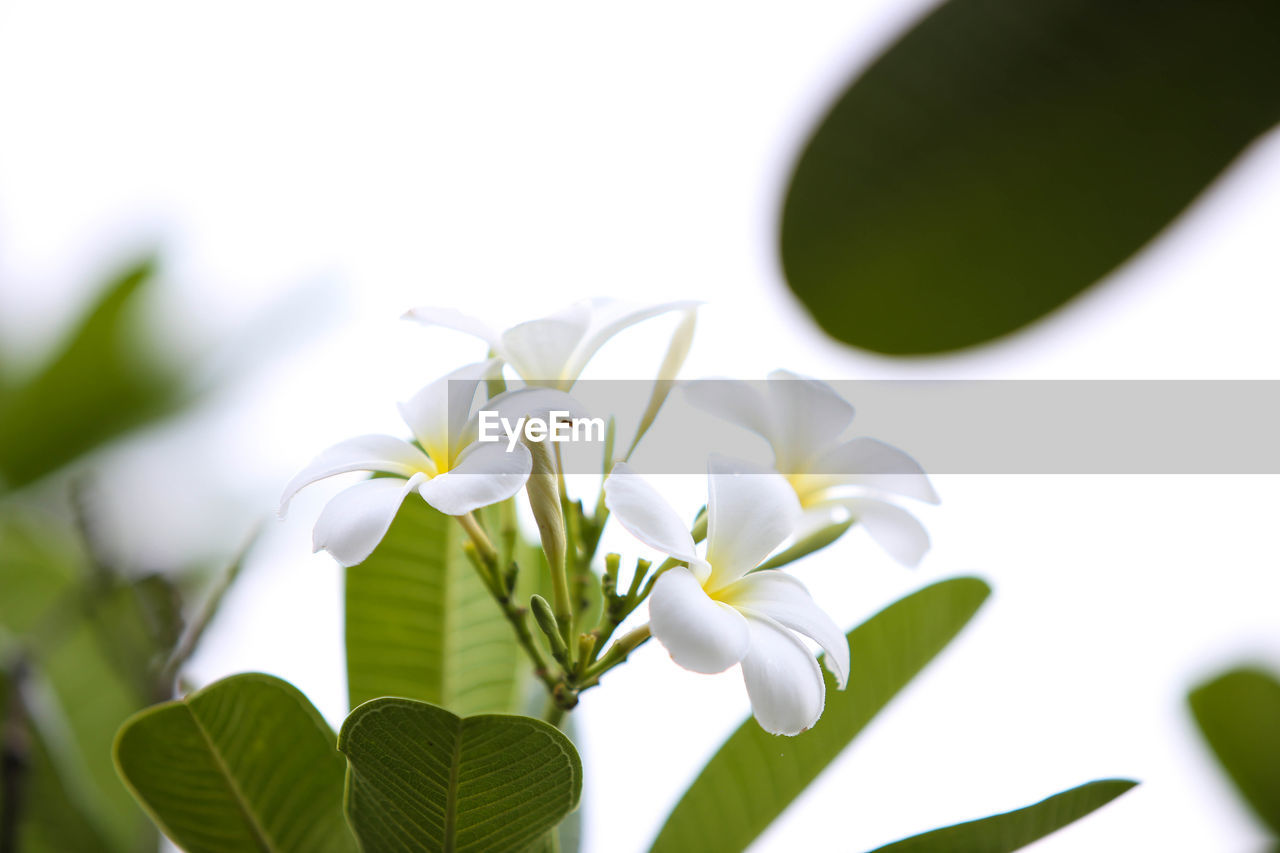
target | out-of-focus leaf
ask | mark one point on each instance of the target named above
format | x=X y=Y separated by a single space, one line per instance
x=89 y=652
x=423 y=779
x=37 y=811
x=101 y=384
x=93 y=696
x=1014 y=830
x=244 y=764
x=755 y=775
x=421 y=625
x=39 y=566
x=1239 y=715
x=1005 y=155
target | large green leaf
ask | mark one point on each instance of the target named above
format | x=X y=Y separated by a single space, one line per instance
x=1004 y=155
x=421 y=625
x=1014 y=830
x=755 y=775
x=423 y=779
x=101 y=384
x=244 y=764
x=1239 y=714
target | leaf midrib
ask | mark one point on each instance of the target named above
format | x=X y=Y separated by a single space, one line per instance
x=241 y=801
x=451 y=795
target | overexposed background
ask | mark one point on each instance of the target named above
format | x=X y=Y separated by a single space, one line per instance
x=330 y=165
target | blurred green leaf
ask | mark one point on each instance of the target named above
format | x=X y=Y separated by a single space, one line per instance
x=1014 y=830
x=39 y=567
x=74 y=628
x=423 y=779
x=92 y=698
x=421 y=625
x=102 y=383
x=244 y=764
x=1002 y=156
x=38 y=814
x=1239 y=714
x=755 y=775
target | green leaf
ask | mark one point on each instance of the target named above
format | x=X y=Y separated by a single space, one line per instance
x=43 y=813
x=102 y=384
x=755 y=775
x=423 y=779
x=421 y=625
x=1239 y=715
x=74 y=633
x=1014 y=830
x=244 y=764
x=1005 y=155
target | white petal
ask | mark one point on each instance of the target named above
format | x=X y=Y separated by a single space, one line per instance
x=534 y=402
x=892 y=527
x=608 y=317
x=456 y=320
x=750 y=511
x=485 y=474
x=382 y=453
x=353 y=523
x=540 y=350
x=735 y=400
x=809 y=415
x=700 y=634
x=438 y=413
x=783 y=679
x=873 y=464
x=784 y=599
x=648 y=517
x=678 y=347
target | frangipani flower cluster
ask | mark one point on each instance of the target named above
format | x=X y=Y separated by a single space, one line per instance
x=711 y=610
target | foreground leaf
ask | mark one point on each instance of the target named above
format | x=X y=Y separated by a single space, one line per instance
x=1004 y=155
x=423 y=779
x=244 y=764
x=1239 y=715
x=755 y=775
x=1014 y=830
x=421 y=625
x=101 y=384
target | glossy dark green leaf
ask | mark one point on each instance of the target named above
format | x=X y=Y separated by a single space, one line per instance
x=423 y=779
x=421 y=625
x=755 y=775
x=102 y=383
x=1002 y=156
x=1239 y=715
x=1014 y=830
x=244 y=764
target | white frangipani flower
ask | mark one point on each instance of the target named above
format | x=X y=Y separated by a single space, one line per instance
x=717 y=612
x=804 y=421
x=554 y=350
x=455 y=475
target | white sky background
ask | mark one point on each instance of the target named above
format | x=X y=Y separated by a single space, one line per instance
x=341 y=164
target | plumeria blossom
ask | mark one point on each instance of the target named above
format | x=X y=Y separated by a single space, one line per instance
x=553 y=350
x=804 y=421
x=715 y=612
x=456 y=474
